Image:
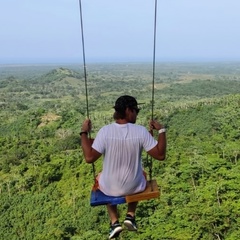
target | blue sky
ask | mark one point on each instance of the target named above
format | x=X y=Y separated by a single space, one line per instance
x=48 y=31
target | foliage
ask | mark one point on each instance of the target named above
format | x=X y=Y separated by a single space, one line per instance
x=45 y=183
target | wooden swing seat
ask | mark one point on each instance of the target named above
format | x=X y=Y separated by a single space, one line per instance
x=99 y=198
x=151 y=191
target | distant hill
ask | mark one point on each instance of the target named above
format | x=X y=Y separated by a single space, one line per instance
x=59 y=74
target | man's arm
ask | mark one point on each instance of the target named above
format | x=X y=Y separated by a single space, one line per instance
x=159 y=151
x=90 y=154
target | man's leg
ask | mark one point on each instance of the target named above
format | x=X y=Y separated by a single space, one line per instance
x=132 y=208
x=115 y=227
x=129 y=221
x=113 y=213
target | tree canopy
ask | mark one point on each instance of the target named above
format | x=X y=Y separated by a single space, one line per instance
x=45 y=183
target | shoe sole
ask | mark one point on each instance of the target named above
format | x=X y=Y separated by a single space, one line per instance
x=115 y=232
x=128 y=224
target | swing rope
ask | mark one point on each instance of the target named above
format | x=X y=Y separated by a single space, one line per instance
x=154 y=56
x=85 y=77
x=149 y=161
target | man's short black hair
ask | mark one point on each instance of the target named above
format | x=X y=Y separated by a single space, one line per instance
x=125 y=102
x=122 y=103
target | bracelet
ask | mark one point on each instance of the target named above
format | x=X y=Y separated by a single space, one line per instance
x=162 y=130
x=84 y=132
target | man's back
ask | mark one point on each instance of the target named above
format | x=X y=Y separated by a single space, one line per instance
x=122 y=145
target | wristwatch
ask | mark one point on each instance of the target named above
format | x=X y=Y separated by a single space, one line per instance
x=162 y=130
x=83 y=132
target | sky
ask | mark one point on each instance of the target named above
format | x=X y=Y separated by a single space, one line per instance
x=49 y=31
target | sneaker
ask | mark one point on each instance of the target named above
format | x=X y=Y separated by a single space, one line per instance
x=115 y=230
x=130 y=223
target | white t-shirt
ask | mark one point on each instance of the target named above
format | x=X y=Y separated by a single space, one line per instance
x=121 y=146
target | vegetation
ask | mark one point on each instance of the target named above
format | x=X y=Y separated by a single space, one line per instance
x=45 y=183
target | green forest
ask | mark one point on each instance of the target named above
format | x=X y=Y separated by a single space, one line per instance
x=45 y=183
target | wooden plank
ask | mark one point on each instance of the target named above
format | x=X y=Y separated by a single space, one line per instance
x=150 y=192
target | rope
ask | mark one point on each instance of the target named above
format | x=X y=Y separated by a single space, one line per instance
x=85 y=76
x=149 y=162
x=84 y=61
x=154 y=56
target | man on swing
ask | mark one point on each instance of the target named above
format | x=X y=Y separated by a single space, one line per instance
x=121 y=143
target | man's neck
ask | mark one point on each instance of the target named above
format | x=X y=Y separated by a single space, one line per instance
x=121 y=121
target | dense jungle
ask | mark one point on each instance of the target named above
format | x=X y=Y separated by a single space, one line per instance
x=45 y=183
